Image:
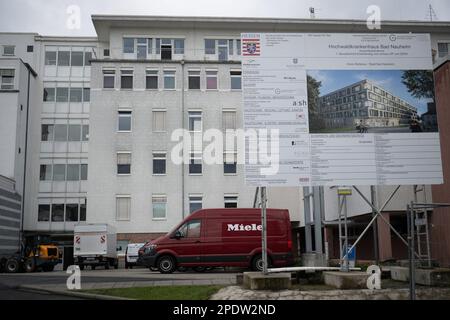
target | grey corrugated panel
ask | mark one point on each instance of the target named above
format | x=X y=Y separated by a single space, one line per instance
x=9 y=233
x=9 y=223
x=9 y=214
x=8 y=242
x=9 y=204
x=9 y=194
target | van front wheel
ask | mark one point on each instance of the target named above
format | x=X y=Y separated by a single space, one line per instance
x=166 y=264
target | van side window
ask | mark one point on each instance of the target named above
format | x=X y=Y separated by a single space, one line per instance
x=191 y=229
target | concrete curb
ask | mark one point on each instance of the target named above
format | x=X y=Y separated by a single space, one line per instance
x=78 y=294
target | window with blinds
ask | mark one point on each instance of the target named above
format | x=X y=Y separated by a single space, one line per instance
x=159 y=121
x=123 y=163
x=229 y=120
x=123 y=207
x=159 y=203
x=7 y=79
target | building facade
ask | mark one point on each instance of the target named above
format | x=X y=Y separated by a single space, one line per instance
x=100 y=133
x=364 y=102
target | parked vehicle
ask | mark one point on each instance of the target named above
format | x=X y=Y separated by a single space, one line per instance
x=221 y=237
x=95 y=245
x=131 y=254
x=37 y=252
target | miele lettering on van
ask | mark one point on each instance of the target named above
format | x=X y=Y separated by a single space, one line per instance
x=244 y=227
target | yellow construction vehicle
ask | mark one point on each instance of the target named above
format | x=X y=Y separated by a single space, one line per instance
x=37 y=252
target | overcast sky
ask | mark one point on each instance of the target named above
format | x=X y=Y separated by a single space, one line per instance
x=48 y=17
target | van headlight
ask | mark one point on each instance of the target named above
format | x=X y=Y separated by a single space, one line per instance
x=150 y=248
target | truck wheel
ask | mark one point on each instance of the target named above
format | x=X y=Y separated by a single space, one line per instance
x=12 y=265
x=30 y=265
x=81 y=266
x=166 y=264
x=92 y=267
x=116 y=264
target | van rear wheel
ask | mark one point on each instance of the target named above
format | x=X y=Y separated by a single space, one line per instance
x=166 y=264
x=257 y=263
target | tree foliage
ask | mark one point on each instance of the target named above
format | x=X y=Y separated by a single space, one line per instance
x=315 y=120
x=419 y=83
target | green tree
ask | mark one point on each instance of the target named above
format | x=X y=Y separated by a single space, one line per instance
x=315 y=120
x=419 y=83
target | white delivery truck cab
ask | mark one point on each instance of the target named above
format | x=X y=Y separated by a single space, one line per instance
x=95 y=245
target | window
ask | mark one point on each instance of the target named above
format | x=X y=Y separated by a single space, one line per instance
x=50 y=58
x=230 y=201
x=85 y=132
x=123 y=207
x=230 y=46
x=76 y=94
x=229 y=120
x=159 y=163
x=443 y=49
x=59 y=172
x=106 y=52
x=49 y=94
x=64 y=58
x=46 y=132
x=86 y=94
x=44 y=212
x=82 y=212
x=30 y=48
x=159 y=121
x=7 y=79
x=169 y=79
x=151 y=79
x=74 y=132
x=195 y=163
x=222 y=48
x=128 y=45
x=229 y=163
x=195 y=121
x=45 y=173
x=76 y=58
x=126 y=79
x=166 y=49
x=60 y=132
x=73 y=172
x=124 y=121
x=141 y=48
x=190 y=229
x=238 y=47
x=83 y=171
x=62 y=94
x=194 y=80
x=71 y=212
x=8 y=50
x=108 y=79
x=235 y=76
x=210 y=46
x=159 y=203
x=87 y=58
x=211 y=80
x=195 y=203
x=123 y=163
x=178 y=46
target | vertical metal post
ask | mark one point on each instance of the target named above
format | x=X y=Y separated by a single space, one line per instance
x=341 y=246
x=410 y=228
x=317 y=221
x=373 y=196
x=307 y=212
x=346 y=265
x=264 y=228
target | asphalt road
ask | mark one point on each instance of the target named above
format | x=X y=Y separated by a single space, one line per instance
x=10 y=283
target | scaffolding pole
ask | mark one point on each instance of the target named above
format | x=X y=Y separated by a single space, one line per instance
x=264 y=228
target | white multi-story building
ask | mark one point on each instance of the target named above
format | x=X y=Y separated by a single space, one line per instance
x=99 y=138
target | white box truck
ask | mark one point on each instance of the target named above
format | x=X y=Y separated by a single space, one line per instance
x=95 y=245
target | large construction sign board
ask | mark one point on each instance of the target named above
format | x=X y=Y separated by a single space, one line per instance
x=350 y=109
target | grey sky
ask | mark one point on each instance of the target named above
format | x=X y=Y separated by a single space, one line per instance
x=48 y=17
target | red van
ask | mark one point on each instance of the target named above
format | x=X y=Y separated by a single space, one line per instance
x=221 y=237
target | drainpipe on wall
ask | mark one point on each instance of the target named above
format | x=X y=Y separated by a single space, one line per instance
x=183 y=127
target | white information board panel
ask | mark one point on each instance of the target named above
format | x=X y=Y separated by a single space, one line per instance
x=347 y=109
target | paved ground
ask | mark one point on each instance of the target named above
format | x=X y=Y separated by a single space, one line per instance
x=93 y=279
x=13 y=293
